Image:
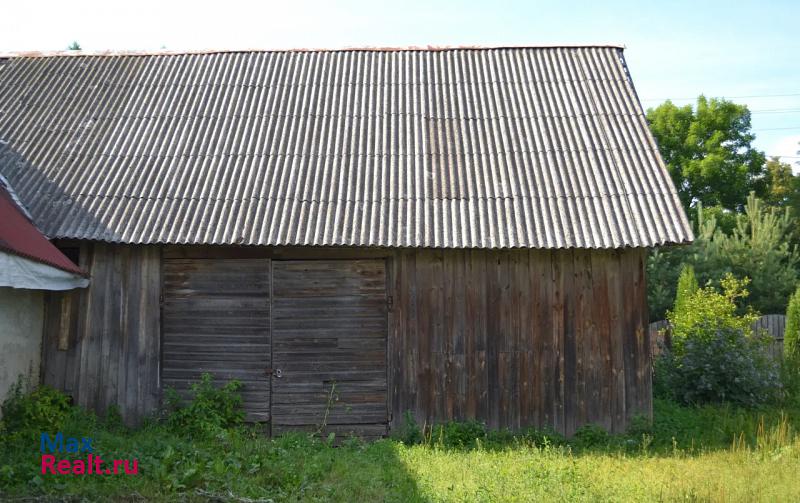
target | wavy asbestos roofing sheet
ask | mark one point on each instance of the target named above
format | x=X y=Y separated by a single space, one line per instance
x=450 y=148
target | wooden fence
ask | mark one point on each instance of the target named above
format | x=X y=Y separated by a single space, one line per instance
x=774 y=324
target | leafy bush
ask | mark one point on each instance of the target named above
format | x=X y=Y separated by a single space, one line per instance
x=460 y=434
x=715 y=357
x=700 y=313
x=663 y=268
x=791 y=337
x=591 y=435
x=687 y=286
x=790 y=366
x=544 y=437
x=210 y=409
x=43 y=409
x=409 y=431
x=720 y=364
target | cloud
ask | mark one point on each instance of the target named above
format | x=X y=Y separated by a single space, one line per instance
x=786 y=147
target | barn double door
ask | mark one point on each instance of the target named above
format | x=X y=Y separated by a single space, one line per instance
x=307 y=338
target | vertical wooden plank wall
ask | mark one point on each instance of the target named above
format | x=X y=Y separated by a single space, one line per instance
x=112 y=350
x=545 y=338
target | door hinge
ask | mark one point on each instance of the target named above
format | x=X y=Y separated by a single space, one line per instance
x=389 y=302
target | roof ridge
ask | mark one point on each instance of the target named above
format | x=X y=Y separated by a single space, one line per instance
x=410 y=48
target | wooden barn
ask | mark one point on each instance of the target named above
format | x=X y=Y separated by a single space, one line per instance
x=352 y=234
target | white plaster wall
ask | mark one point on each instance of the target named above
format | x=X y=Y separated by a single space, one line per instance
x=21 y=318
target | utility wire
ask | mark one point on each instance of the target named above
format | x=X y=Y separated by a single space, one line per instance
x=776 y=128
x=776 y=111
x=727 y=97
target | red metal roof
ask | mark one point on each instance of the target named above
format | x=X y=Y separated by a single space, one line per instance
x=20 y=237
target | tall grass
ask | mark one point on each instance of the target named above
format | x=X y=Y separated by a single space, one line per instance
x=712 y=453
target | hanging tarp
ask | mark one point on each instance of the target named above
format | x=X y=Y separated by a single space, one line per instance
x=20 y=272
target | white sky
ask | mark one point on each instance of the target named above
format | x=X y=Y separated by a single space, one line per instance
x=675 y=49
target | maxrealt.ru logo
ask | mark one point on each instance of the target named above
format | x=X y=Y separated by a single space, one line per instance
x=92 y=464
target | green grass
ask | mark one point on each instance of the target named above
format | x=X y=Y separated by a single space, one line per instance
x=696 y=454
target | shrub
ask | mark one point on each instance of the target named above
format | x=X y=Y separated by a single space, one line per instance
x=705 y=310
x=409 y=431
x=43 y=409
x=720 y=364
x=591 y=435
x=210 y=409
x=687 y=286
x=715 y=357
x=460 y=434
x=544 y=437
x=791 y=337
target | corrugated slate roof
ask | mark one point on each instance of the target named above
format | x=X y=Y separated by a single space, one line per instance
x=464 y=147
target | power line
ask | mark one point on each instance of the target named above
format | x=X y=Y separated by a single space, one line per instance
x=727 y=97
x=776 y=128
x=776 y=111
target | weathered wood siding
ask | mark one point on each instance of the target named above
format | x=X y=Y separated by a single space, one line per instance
x=775 y=326
x=216 y=319
x=546 y=338
x=517 y=338
x=329 y=323
x=101 y=344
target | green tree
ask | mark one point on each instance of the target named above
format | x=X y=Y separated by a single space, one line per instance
x=783 y=187
x=74 y=46
x=757 y=248
x=791 y=337
x=708 y=151
x=687 y=286
x=663 y=267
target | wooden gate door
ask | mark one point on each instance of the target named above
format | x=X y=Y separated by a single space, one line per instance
x=215 y=318
x=329 y=346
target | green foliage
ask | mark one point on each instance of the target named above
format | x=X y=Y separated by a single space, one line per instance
x=783 y=186
x=43 y=409
x=210 y=410
x=706 y=311
x=708 y=151
x=409 y=431
x=757 y=248
x=663 y=268
x=790 y=379
x=591 y=436
x=791 y=336
x=724 y=220
x=710 y=446
x=687 y=286
x=74 y=46
x=459 y=434
x=715 y=357
x=720 y=365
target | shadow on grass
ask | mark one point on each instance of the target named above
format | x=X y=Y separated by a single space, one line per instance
x=234 y=465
